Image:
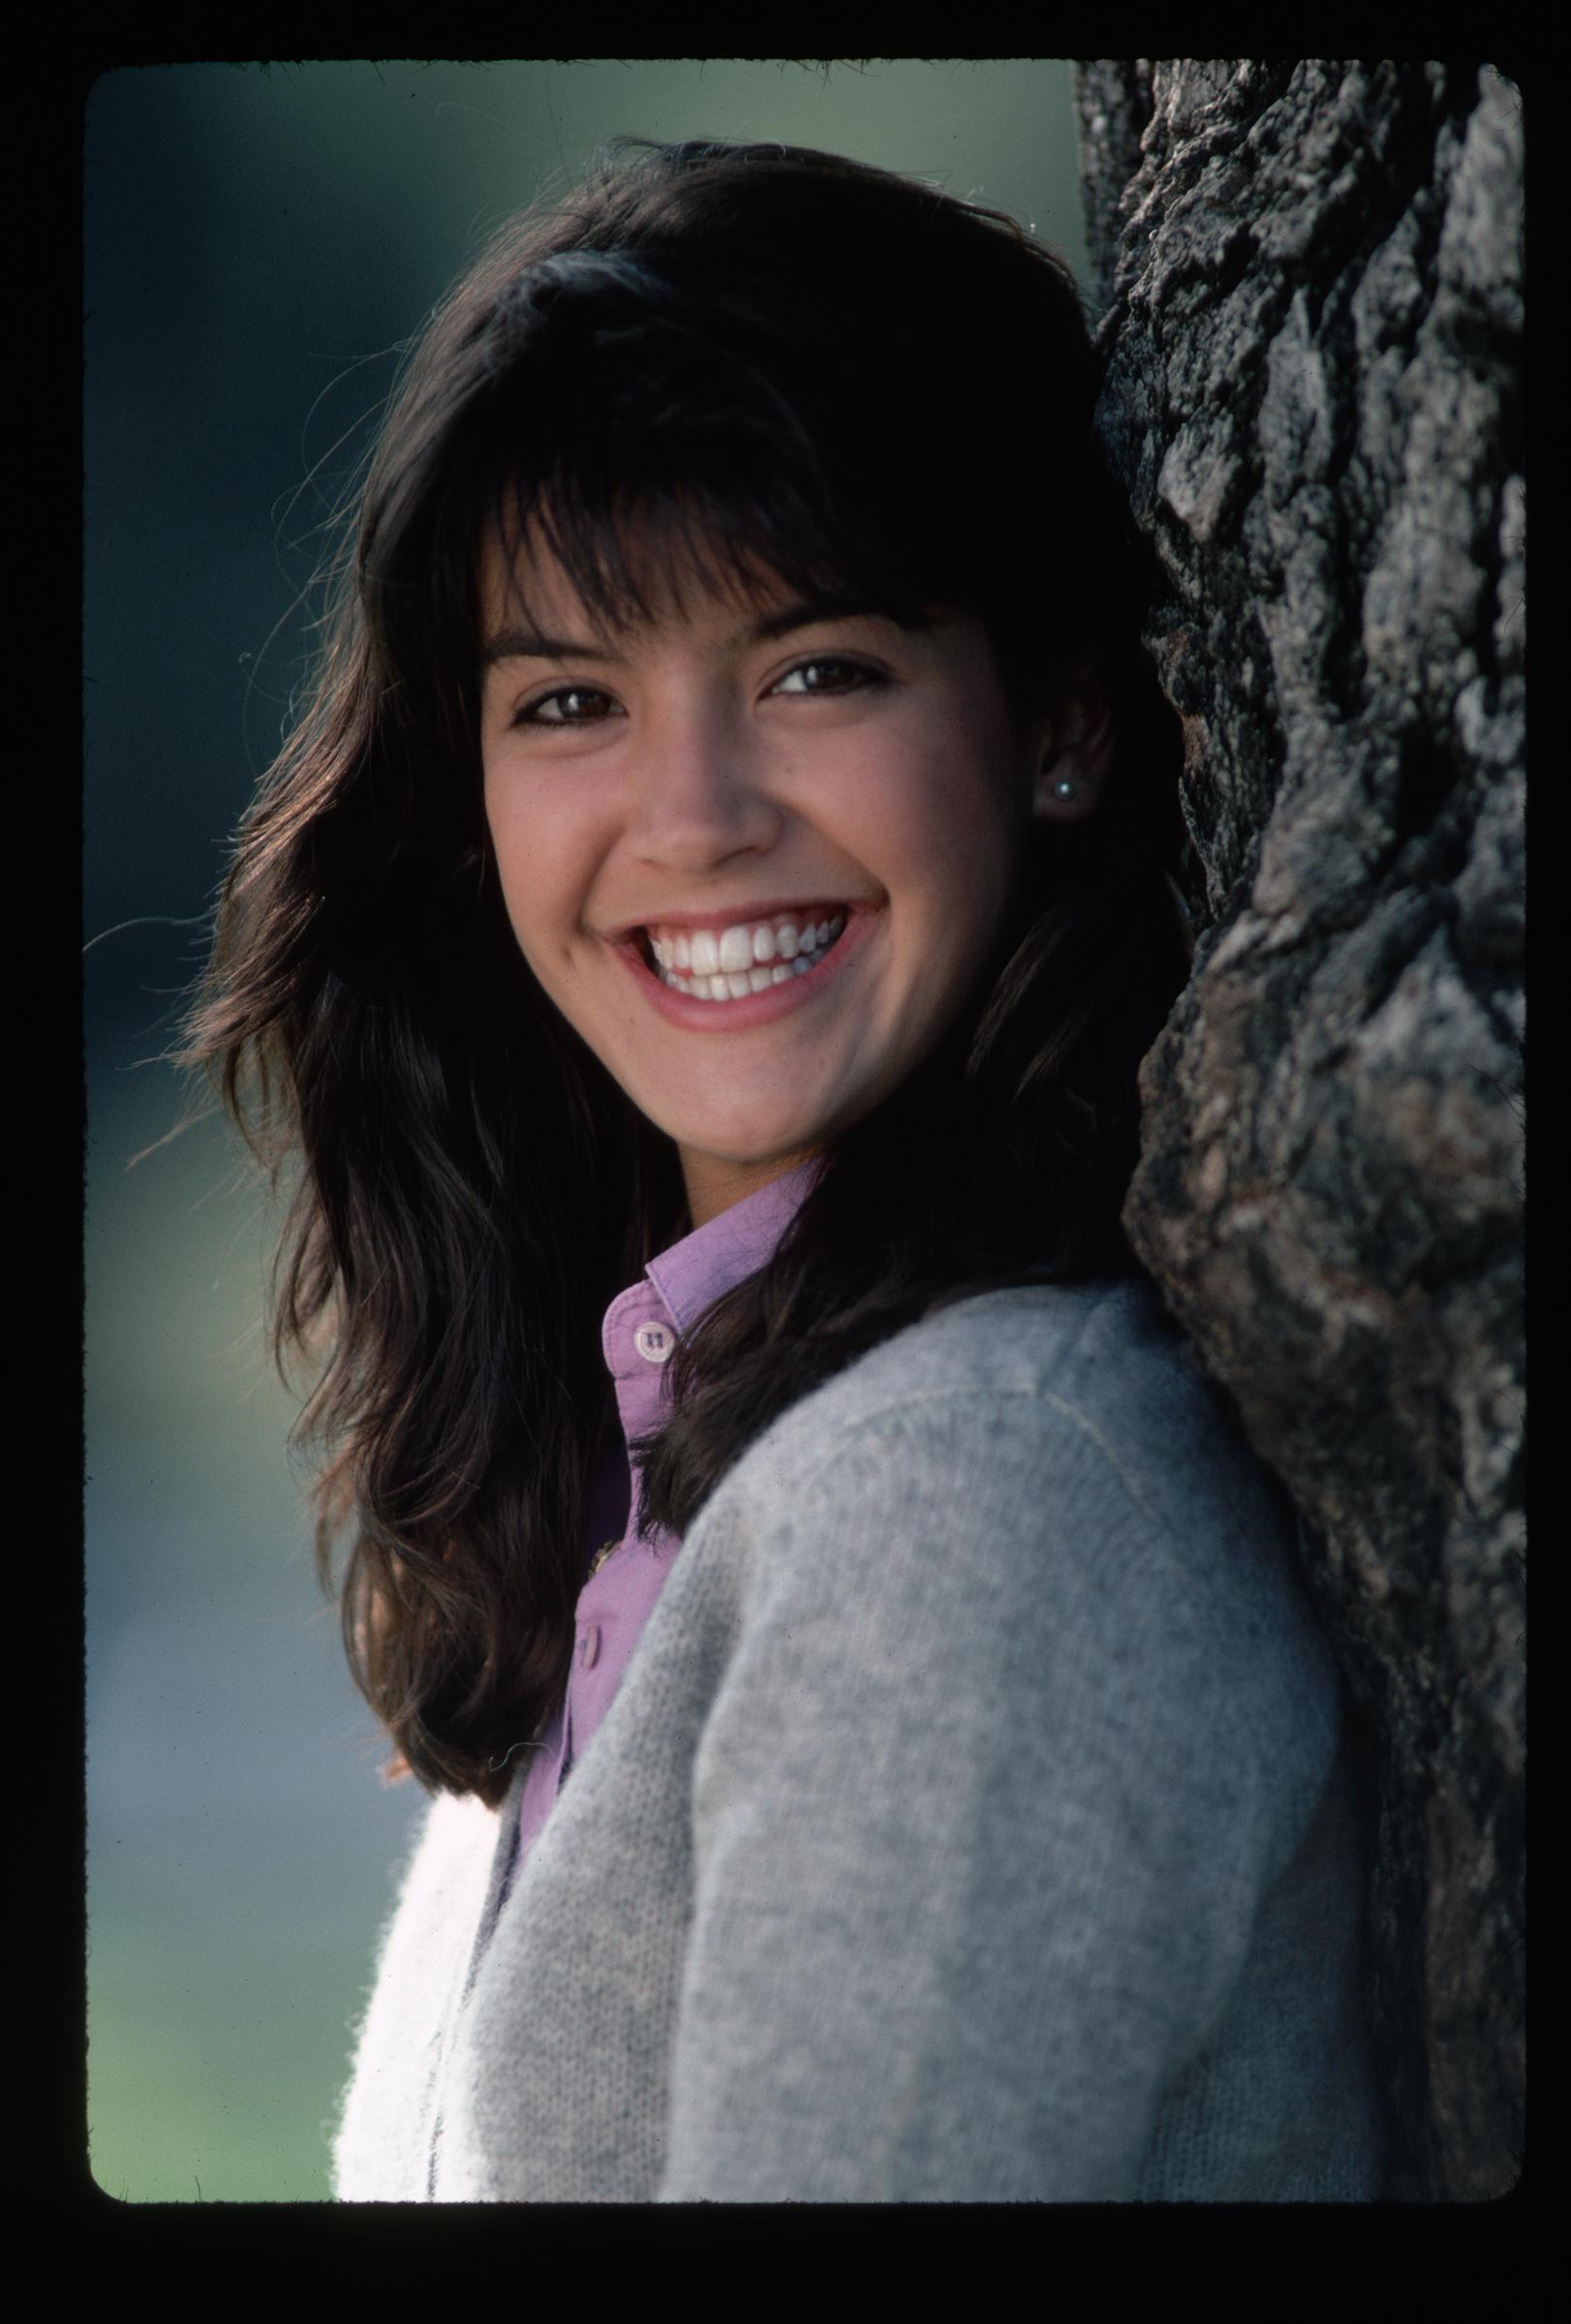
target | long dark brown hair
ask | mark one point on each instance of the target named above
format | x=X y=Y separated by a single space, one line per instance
x=772 y=363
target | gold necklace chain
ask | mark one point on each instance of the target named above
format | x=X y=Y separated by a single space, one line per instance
x=601 y=1556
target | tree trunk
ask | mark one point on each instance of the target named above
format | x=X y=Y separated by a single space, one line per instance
x=1313 y=281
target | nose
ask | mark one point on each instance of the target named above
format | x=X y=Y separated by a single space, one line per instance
x=698 y=792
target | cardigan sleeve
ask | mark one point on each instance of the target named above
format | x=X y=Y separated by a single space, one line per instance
x=1005 y=1752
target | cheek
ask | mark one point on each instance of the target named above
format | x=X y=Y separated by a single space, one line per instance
x=532 y=852
x=510 y=857
x=956 y=835
x=500 y=813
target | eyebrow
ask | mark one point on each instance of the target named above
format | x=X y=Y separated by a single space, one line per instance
x=520 y=644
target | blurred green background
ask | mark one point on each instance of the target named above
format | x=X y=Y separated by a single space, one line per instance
x=261 y=244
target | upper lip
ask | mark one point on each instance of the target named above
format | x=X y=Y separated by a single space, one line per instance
x=740 y=916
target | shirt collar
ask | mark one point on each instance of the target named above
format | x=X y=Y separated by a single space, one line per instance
x=692 y=1275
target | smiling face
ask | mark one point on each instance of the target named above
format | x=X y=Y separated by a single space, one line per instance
x=764 y=767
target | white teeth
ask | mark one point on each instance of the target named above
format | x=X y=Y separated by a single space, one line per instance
x=743 y=960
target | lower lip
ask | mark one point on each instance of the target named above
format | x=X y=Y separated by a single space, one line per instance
x=757 y=1008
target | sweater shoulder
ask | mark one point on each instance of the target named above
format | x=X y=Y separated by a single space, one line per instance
x=1062 y=1444
x=1040 y=1482
x=1033 y=1337
x=1103 y=1361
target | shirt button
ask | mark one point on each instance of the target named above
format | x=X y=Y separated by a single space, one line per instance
x=589 y=1647
x=652 y=1342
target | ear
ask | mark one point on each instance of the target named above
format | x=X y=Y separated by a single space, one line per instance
x=1075 y=752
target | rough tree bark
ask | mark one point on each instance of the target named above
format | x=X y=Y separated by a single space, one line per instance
x=1312 y=274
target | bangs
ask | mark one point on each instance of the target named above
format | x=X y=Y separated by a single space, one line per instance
x=664 y=436
x=636 y=557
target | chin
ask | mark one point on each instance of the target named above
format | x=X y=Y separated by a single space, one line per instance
x=754 y=1153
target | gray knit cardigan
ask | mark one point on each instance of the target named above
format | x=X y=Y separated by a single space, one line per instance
x=977 y=1820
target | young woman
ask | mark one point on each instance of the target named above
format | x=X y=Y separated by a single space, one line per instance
x=697 y=947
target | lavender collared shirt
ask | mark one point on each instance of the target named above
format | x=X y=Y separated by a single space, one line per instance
x=638 y=1335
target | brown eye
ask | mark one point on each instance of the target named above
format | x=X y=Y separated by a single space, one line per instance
x=568 y=706
x=828 y=674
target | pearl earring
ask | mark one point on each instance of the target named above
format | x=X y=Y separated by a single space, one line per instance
x=1064 y=788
